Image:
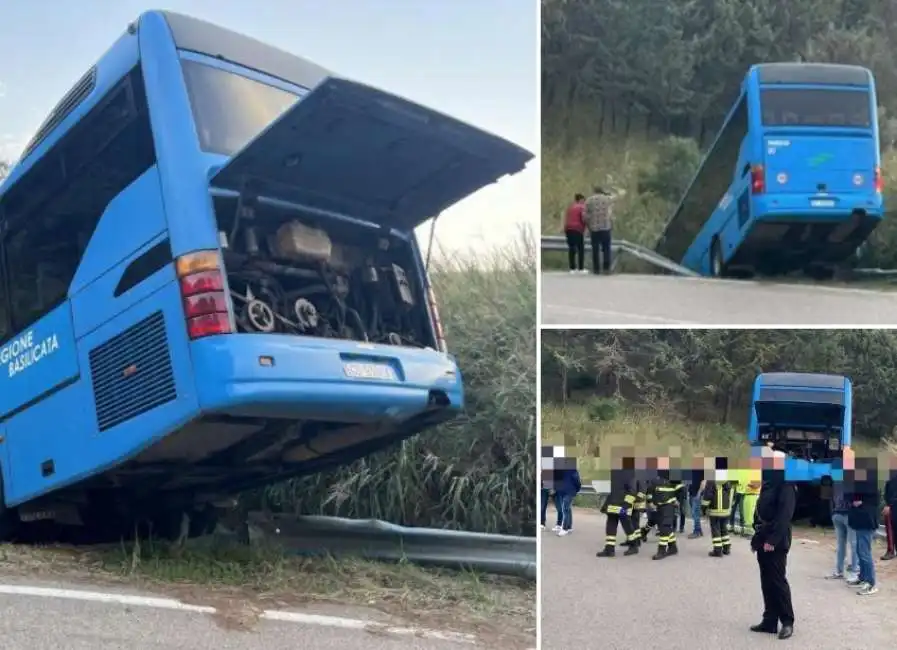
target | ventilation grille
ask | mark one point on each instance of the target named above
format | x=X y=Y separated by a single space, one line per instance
x=132 y=372
x=66 y=105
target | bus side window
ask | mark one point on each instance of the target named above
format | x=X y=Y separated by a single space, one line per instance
x=42 y=256
x=5 y=330
x=108 y=150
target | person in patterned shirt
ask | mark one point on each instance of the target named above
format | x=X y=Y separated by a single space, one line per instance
x=599 y=218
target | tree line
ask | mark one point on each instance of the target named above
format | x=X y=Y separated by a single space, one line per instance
x=707 y=375
x=679 y=63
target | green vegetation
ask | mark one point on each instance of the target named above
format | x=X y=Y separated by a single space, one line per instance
x=633 y=90
x=690 y=390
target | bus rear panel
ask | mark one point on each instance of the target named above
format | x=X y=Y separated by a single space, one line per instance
x=249 y=303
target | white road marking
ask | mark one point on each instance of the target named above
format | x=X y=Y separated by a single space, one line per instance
x=299 y=618
x=626 y=316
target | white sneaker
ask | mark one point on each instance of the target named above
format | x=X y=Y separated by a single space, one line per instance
x=542 y=527
x=556 y=528
x=834 y=575
x=867 y=590
x=572 y=271
x=584 y=271
x=564 y=533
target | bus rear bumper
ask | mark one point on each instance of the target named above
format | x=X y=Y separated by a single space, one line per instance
x=273 y=376
x=794 y=207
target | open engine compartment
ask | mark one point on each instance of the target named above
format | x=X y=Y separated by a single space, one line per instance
x=299 y=274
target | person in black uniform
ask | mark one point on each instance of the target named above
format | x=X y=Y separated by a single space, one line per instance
x=665 y=493
x=771 y=542
x=618 y=508
x=717 y=498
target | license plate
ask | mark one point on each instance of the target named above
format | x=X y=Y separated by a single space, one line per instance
x=378 y=371
x=822 y=203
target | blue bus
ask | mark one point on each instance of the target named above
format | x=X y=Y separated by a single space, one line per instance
x=211 y=280
x=809 y=416
x=791 y=183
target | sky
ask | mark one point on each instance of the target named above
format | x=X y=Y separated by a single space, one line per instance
x=473 y=60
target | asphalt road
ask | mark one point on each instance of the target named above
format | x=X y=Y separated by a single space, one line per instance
x=697 y=602
x=658 y=300
x=66 y=623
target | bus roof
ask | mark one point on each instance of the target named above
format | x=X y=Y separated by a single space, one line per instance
x=803 y=380
x=203 y=37
x=834 y=74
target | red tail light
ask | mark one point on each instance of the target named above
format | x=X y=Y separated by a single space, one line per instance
x=879 y=181
x=758 y=179
x=437 y=322
x=202 y=290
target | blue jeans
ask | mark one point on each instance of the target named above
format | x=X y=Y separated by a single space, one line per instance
x=864 y=550
x=565 y=510
x=845 y=535
x=696 y=512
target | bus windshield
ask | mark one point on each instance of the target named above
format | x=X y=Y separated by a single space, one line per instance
x=816 y=107
x=229 y=109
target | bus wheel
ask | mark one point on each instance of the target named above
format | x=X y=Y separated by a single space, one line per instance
x=716 y=259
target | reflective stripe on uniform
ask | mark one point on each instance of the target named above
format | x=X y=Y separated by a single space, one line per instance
x=630 y=499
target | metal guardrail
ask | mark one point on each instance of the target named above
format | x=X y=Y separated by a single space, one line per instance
x=556 y=243
x=598 y=490
x=618 y=246
x=378 y=540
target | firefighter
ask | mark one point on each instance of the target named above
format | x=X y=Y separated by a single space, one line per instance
x=717 y=498
x=665 y=498
x=618 y=507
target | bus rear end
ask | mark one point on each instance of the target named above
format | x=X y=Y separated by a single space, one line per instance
x=806 y=415
x=314 y=334
x=817 y=184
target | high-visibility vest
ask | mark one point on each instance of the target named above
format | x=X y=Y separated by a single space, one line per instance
x=754 y=481
x=741 y=485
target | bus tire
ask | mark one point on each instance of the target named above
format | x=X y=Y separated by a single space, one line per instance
x=717 y=268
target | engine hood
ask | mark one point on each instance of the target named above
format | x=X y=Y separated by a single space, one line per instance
x=355 y=150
